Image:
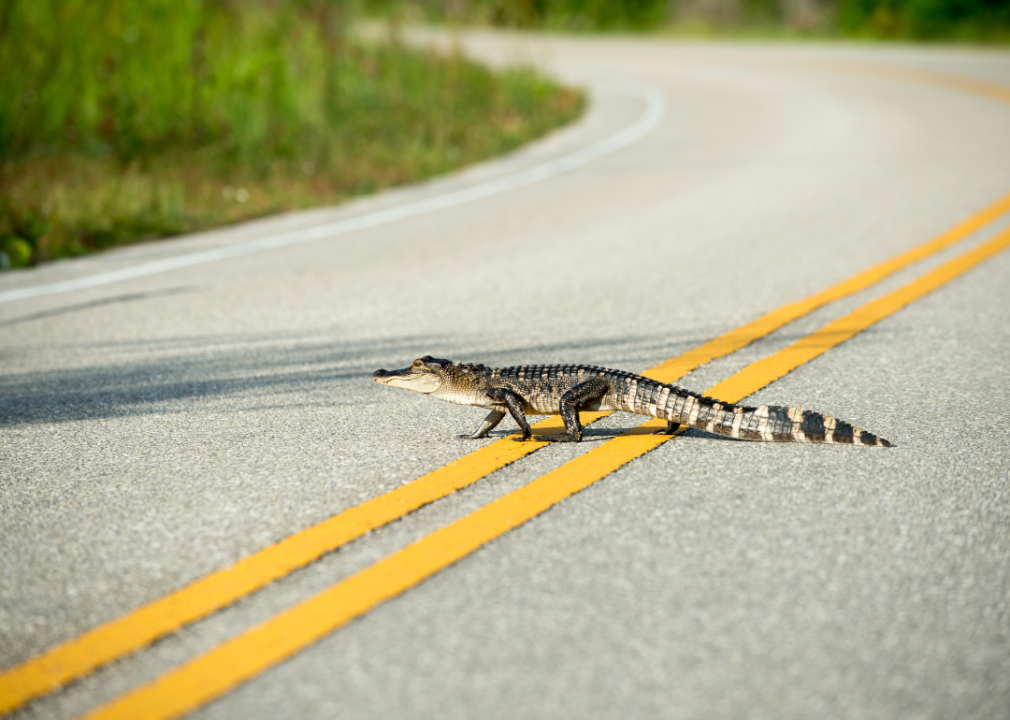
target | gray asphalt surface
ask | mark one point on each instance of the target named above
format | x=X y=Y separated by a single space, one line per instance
x=155 y=430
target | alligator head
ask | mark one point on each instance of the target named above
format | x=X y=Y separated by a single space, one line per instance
x=424 y=375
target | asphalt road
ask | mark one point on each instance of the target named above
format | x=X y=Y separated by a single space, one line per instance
x=155 y=429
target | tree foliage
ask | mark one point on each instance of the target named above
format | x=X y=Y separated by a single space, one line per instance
x=919 y=19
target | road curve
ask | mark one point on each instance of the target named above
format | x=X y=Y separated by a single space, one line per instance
x=159 y=426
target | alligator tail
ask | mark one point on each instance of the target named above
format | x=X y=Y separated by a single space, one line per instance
x=769 y=423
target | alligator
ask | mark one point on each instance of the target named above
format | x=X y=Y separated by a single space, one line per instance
x=568 y=389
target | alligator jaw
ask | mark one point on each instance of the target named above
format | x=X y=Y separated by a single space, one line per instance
x=410 y=378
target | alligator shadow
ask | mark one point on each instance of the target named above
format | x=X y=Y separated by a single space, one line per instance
x=179 y=369
x=269 y=366
x=639 y=431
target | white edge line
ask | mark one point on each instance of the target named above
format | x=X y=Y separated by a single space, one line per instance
x=655 y=106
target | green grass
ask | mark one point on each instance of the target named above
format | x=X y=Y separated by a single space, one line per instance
x=122 y=120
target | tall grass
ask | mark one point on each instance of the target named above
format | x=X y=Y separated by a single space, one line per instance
x=126 y=119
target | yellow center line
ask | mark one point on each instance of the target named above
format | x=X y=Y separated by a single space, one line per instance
x=904 y=73
x=763 y=372
x=671 y=370
x=122 y=636
x=215 y=672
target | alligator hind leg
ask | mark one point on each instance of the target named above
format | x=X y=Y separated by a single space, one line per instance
x=514 y=403
x=670 y=429
x=489 y=424
x=579 y=396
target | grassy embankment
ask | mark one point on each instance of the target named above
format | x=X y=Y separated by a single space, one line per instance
x=129 y=119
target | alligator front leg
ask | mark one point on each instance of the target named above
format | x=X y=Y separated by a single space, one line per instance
x=579 y=396
x=489 y=424
x=514 y=403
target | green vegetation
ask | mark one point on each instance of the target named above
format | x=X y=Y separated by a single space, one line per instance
x=976 y=20
x=927 y=19
x=129 y=119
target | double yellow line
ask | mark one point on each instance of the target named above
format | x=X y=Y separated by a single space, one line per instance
x=212 y=674
x=215 y=672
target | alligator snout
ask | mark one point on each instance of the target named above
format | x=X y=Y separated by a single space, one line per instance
x=378 y=374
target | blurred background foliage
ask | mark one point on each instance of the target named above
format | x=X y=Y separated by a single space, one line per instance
x=127 y=119
x=975 y=20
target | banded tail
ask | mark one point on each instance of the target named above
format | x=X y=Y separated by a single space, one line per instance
x=769 y=423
